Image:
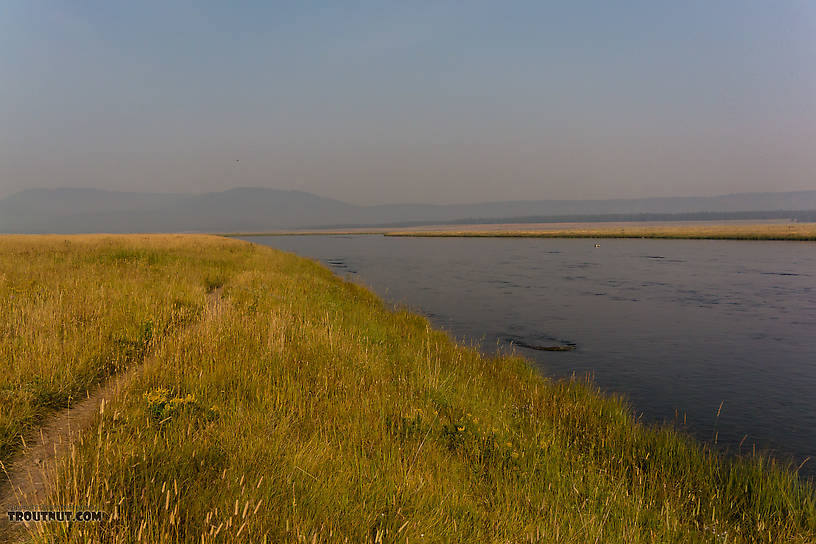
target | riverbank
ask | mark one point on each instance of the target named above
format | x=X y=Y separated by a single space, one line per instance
x=678 y=230
x=305 y=408
x=692 y=231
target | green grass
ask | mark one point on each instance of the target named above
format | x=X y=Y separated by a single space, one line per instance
x=303 y=409
x=75 y=310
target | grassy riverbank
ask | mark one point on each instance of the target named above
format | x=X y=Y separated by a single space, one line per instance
x=304 y=409
x=790 y=231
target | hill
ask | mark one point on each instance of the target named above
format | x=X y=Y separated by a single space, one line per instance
x=247 y=209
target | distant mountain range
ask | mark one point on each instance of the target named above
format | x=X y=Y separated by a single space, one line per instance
x=249 y=209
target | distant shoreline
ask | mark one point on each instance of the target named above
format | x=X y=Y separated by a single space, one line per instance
x=675 y=230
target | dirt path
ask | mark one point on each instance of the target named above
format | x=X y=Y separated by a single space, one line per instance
x=28 y=478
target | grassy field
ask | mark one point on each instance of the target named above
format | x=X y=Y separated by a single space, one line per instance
x=789 y=231
x=75 y=310
x=306 y=410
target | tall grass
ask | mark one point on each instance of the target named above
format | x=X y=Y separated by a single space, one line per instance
x=302 y=409
x=74 y=310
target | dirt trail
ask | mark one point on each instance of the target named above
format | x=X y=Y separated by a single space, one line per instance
x=27 y=479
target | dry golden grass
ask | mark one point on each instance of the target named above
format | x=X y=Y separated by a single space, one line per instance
x=787 y=231
x=302 y=409
x=74 y=310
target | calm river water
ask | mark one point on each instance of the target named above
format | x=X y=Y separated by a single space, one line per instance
x=677 y=326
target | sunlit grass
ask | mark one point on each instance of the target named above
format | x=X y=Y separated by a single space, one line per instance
x=302 y=409
x=74 y=310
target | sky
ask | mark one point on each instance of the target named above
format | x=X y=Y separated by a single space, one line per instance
x=396 y=102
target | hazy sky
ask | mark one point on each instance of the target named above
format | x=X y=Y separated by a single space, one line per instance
x=410 y=101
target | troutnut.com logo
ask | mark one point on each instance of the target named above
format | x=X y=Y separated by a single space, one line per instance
x=63 y=515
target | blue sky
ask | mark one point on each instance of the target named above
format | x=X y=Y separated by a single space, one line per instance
x=410 y=101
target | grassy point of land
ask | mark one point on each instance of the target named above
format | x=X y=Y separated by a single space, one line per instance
x=327 y=232
x=306 y=410
x=791 y=231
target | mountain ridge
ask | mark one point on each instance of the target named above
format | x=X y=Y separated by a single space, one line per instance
x=77 y=209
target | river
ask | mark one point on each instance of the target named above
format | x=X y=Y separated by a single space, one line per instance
x=721 y=334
